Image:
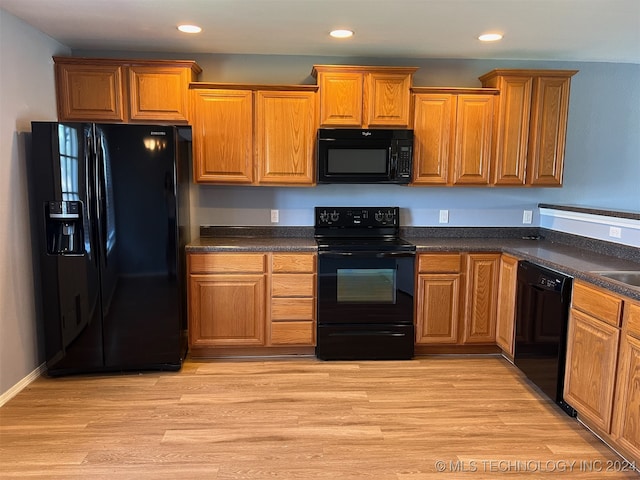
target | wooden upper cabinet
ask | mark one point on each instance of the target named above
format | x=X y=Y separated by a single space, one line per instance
x=364 y=97
x=159 y=93
x=530 y=127
x=119 y=90
x=433 y=125
x=341 y=98
x=472 y=147
x=222 y=135
x=285 y=137
x=87 y=92
x=452 y=135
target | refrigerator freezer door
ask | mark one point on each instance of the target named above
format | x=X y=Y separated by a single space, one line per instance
x=61 y=174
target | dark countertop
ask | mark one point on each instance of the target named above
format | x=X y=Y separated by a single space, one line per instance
x=568 y=259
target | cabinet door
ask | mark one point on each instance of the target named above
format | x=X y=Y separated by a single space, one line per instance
x=158 y=93
x=226 y=310
x=285 y=137
x=592 y=350
x=438 y=312
x=472 y=148
x=387 y=100
x=626 y=424
x=432 y=130
x=511 y=135
x=341 y=99
x=506 y=303
x=222 y=136
x=548 y=130
x=481 y=298
x=90 y=93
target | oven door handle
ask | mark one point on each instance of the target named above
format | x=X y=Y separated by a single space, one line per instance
x=370 y=254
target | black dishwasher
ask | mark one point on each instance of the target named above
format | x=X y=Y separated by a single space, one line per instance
x=542 y=312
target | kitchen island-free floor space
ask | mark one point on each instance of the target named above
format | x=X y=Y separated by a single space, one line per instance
x=428 y=418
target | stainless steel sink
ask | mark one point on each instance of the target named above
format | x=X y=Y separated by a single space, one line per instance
x=630 y=277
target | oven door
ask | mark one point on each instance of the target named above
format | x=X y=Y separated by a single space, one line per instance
x=365 y=288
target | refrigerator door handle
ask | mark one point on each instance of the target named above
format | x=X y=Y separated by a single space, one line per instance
x=101 y=188
x=89 y=195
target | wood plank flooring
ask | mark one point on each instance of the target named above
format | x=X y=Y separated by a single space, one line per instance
x=299 y=419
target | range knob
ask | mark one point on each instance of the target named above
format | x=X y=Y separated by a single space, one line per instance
x=324 y=217
x=335 y=216
x=379 y=216
x=389 y=216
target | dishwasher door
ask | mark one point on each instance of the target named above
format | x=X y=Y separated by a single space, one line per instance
x=542 y=313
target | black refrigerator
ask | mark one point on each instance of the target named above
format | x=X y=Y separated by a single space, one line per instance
x=110 y=217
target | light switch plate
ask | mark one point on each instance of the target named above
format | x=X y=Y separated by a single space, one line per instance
x=527 y=216
x=275 y=216
x=615 y=232
x=444 y=216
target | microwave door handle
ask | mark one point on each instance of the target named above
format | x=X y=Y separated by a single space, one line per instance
x=393 y=164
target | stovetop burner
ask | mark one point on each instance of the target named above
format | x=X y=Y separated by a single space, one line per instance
x=359 y=229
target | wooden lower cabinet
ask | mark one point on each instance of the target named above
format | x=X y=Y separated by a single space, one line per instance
x=241 y=300
x=438 y=298
x=505 y=320
x=592 y=353
x=481 y=298
x=626 y=408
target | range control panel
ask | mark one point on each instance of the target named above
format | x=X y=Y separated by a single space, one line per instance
x=364 y=217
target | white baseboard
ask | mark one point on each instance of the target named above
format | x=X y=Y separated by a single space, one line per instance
x=17 y=388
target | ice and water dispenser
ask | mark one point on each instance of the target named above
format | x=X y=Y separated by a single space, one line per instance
x=64 y=228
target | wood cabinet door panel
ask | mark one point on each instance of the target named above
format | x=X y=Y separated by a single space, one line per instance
x=90 y=93
x=505 y=320
x=285 y=137
x=293 y=333
x=222 y=136
x=293 y=263
x=472 y=150
x=341 y=99
x=387 y=99
x=481 y=298
x=592 y=352
x=293 y=285
x=438 y=309
x=626 y=427
x=433 y=124
x=226 y=310
x=511 y=136
x=226 y=262
x=158 y=93
x=548 y=130
x=597 y=303
x=439 y=262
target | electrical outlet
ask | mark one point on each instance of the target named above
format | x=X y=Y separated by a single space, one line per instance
x=615 y=232
x=275 y=216
x=444 y=216
x=527 y=216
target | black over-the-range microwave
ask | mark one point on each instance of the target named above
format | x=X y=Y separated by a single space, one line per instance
x=349 y=155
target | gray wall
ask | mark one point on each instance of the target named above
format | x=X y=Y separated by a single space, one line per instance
x=26 y=93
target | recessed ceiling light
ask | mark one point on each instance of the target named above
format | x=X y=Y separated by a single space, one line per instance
x=340 y=33
x=189 y=28
x=490 y=37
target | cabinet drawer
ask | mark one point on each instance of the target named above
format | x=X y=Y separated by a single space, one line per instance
x=293 y=333
x=293 y=284
x=293 y=263
x=597 y=303
x=292 y=309
x=226 y=263
x=439 y=263
x=632 y=318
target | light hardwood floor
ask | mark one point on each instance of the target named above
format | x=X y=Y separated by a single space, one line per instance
x=299 y=419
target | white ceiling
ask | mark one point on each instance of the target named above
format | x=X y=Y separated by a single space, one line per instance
x=568 y=30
